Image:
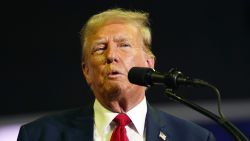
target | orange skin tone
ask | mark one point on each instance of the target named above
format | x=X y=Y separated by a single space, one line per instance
x=113 y=50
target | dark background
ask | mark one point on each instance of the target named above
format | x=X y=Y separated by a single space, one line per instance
x=40 y=61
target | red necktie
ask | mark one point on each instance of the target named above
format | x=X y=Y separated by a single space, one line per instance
x=119 y=133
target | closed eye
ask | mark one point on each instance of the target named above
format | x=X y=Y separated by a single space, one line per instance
x=99 y=49
x=124 y=45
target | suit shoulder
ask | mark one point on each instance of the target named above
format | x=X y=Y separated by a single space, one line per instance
x=179 y=122
x=177 y=126
x=73 y=124
x=59 y=119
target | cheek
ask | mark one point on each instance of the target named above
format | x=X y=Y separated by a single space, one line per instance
x=95 y=77
x=94 y=68
x=137 y=59
x=97 y=60
x=96 y=71
x=97 y=68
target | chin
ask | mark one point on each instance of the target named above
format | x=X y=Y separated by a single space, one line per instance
x=115 y=91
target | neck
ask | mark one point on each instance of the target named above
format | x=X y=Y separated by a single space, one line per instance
x=124 y=104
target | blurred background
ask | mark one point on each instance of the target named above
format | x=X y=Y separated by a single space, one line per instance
x=40 y=58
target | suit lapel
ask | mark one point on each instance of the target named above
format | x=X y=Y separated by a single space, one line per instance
x=155 y=126
x=82 y=124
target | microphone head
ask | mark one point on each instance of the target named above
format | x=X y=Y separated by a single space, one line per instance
x=140 y=76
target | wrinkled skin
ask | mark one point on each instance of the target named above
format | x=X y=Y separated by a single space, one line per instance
x=113 y=50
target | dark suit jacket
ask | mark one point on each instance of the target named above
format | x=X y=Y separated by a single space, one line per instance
x=77 y=125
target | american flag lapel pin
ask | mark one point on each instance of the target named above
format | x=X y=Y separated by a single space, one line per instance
x=162 y=136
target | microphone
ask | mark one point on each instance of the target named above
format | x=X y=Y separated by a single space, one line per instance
x=148 y=77
x=172 y=80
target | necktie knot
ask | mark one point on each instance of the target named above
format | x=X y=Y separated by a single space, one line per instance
x=119 y=133
x=122 y=120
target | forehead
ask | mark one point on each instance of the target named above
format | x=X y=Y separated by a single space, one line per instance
x=116 y=31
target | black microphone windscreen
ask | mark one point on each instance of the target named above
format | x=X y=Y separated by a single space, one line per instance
x=140 y=75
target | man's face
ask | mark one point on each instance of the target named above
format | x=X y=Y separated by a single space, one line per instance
x=113 y=50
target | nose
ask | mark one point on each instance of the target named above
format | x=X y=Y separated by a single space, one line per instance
x=112 y=54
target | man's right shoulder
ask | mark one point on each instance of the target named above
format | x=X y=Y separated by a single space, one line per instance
x=61 y=117
x=56 y=124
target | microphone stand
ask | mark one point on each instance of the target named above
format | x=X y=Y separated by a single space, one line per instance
x=173 y=79
x=237 y=134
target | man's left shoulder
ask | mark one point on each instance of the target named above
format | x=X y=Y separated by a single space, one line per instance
x=179 y=128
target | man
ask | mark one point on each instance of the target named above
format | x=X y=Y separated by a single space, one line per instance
x=113 y=42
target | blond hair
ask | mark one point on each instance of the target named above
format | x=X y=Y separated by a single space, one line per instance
x=139 y=19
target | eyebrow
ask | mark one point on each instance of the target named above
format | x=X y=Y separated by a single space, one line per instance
x=116 y=39
x=99 y=41
x=121 y=39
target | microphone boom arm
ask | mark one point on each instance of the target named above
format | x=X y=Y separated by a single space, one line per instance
x=237 y=134
x=172 y=80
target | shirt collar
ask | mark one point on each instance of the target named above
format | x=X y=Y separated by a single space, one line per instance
x=103 y=117
x=138 y=116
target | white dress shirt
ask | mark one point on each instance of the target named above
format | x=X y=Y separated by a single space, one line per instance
x=104 y=124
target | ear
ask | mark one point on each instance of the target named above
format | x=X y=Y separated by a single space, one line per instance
x=85 y=70
x=151 y=62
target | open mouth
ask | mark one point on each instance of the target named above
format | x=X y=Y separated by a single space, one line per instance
x=114 y=74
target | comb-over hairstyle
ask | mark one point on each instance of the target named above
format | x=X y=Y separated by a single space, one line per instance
x=117 y=15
